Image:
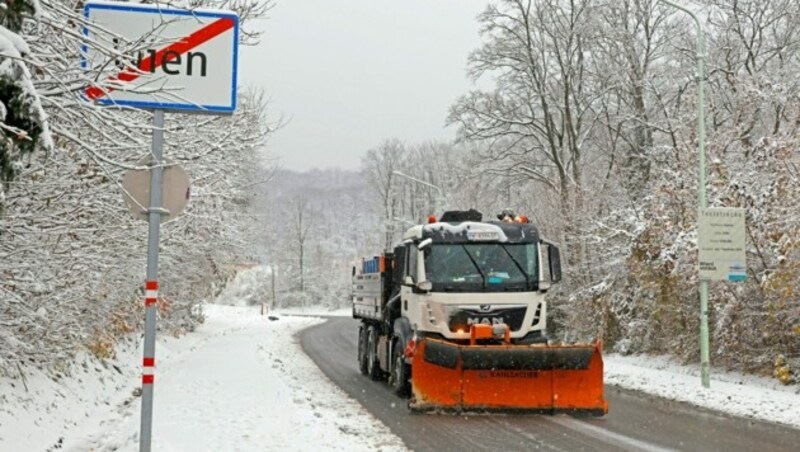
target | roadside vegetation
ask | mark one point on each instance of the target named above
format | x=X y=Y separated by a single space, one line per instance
x=72 y=259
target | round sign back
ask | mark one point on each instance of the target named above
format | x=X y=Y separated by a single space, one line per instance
x=174 y=193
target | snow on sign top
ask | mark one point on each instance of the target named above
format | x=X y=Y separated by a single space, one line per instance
x=170 y=59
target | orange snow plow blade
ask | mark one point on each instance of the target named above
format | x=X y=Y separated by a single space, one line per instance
x=524 y=378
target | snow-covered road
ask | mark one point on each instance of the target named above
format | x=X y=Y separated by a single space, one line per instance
x=245 y=385
x=634 y=422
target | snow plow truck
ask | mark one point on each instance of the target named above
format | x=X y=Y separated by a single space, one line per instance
x=455 y=315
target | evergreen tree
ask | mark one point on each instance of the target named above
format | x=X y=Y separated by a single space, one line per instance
x=21 y=116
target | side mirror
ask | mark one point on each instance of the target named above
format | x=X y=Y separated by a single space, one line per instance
x=549 y=265
x=555 y=264
x=423 y=285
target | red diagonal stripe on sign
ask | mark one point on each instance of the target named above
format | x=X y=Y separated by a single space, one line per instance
x=186 y=44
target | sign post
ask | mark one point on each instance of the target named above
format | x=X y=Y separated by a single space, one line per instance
x=151 y=286
x=174 y=59
x=700 y=55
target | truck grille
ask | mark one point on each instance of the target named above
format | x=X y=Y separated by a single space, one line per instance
x=461 y=317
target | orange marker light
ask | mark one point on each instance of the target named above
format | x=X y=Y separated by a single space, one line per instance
x=431 y=219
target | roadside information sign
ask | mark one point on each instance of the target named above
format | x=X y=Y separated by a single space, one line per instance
x=722 y=244
x=171 y=59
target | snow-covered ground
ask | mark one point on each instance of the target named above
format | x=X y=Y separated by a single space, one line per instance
x=734 y=393
x=39 y=412
x=241 y=382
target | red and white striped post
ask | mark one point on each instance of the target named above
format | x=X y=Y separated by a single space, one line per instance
x=149 y=362
x=150 y=293
x=148 y=371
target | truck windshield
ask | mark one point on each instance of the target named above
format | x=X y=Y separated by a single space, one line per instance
x=481 y=267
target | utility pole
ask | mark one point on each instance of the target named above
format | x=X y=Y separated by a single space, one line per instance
x=705 y=365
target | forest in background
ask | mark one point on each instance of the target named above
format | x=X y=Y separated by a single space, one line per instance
x=589 y=129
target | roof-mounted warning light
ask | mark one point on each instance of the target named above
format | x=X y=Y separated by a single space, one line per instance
x=431 y=219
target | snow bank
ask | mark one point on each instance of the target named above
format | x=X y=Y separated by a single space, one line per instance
x=38 y=412
x=737 y=394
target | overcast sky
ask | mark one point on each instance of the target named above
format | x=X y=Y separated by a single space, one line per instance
x=350 y=73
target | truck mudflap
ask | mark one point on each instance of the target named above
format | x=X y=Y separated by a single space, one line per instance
x=520 y=378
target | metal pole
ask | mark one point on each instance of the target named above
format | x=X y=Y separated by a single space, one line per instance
x=705 y=364
x=272 y=271
x=151 y=287
x=437 y=202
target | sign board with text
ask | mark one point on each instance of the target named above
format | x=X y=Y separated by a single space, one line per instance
x=166 y=58
x=722 y=244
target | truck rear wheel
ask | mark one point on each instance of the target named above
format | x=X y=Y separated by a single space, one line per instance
x=399 y=378
x=373 y=366
x=362 y=350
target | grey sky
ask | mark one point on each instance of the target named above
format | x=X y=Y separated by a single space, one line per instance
x=349 y=73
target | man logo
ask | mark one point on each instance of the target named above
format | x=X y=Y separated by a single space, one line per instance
x=485 y=307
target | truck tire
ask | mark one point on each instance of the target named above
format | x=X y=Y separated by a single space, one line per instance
x=399 y=379
x=362 y=350
x=373 y=366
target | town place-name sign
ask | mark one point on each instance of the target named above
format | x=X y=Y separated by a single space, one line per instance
x=170 y=59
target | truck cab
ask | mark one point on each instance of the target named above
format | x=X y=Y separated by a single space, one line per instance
x=454 y=274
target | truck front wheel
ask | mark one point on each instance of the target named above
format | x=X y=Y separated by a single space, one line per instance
x=373 y=366
x=399 y=379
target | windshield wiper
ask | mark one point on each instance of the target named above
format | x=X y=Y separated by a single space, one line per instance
x=476 y=265
x=524 y=273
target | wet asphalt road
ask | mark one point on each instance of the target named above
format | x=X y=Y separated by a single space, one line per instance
x=635 y=422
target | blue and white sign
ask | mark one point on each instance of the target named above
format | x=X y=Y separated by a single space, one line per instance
x=147 y=56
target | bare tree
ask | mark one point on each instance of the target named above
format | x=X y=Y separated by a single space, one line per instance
x=301 y=226
x=379 y=165
x=536 y=120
